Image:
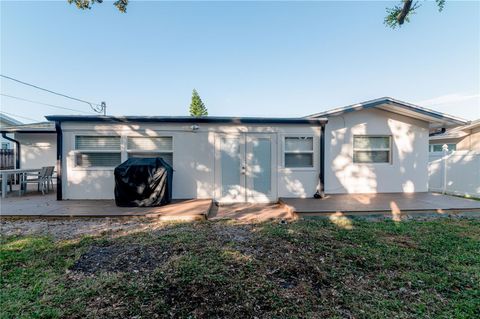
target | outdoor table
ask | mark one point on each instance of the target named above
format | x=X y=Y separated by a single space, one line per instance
x=6 y=172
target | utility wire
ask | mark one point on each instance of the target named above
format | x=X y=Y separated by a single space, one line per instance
x=99 y=108
x=42 y=103
x=20 y=116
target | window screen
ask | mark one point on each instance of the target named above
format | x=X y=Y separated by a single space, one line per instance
x=97 y=151
x=150 y=143
x=439 y=147
x=151 y=147
x=87 y=159
x=371 y=149
x=298 y=152
x=97 y=142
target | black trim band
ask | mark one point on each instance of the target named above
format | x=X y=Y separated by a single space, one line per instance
x=186 y=119
x=58 y=128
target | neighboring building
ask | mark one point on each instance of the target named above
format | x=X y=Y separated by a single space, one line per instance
x=37 y=143
x=372 y=147
x=460 y=138
x=457 y=171
x=6 y=121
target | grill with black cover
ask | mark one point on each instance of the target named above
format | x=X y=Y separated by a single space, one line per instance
x=143 y=182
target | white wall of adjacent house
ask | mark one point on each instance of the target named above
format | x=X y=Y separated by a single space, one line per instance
x=193 y=155
x=37 y=149
x=359 y=167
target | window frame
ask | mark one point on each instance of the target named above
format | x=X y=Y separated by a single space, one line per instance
x=76 y=152
x=140 y=151
x=431 y=146
x=312 y=152
x=389 y=149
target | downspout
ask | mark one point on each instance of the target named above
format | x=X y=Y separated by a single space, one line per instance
x=58 y=128
x=17 y=153
x=321 y=176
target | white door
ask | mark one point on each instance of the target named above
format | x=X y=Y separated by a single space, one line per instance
x=230 y=168
x=261 y=168
x=245 y=169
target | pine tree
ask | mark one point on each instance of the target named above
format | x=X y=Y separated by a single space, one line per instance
x=197 y=108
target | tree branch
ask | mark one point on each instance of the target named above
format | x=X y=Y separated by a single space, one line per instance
x=407 y=5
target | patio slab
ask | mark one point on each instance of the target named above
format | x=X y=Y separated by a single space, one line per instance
x=390 y=203
x=48 y=206
x=245 y=212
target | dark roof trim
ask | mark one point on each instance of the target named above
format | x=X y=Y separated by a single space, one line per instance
x=391 y=101
x=185 y=119
x=28 y=131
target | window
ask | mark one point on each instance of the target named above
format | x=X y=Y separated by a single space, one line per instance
x=439 y=147
x=298 y=152
x=151 y=147
x=5 y=146
x=371 y=149
x=97 y=151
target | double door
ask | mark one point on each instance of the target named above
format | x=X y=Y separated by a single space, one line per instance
x=245 y=168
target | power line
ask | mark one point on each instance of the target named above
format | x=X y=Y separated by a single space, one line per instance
x=20 y=116
x=99 y=108
x=42 y=103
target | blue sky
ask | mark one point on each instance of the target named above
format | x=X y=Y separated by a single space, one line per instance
x=244 y=58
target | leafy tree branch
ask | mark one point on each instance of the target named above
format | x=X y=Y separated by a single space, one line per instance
x=402 y=12
x=87 y=4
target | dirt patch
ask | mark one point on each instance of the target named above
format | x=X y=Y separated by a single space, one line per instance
x=72 y=228
x=134 y=258
x=401 y=241
x=237 y=234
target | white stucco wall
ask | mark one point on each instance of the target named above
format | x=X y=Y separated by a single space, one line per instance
x=193 y=159
x=408 y=170
x=37 y=149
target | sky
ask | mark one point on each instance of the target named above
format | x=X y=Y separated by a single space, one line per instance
x=278 y=59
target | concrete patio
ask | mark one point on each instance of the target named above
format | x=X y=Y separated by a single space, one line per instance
x=34 y=204
x=37 y=205
x=394 y=204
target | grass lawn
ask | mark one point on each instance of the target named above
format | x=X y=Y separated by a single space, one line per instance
x=306 y=269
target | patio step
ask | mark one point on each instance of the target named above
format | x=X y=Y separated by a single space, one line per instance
x=379 y=204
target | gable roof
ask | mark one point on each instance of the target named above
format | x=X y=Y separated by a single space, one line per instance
x=435 y=118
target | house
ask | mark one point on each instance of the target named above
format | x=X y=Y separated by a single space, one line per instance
x=460 y=138
x=372 y=147
x=35 y=144
x=5 y=121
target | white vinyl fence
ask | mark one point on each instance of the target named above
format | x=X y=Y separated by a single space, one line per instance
x=455 y=173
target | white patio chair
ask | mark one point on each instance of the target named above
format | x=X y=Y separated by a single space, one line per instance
x=41 y=179
x=50 y=172
x=10 y=180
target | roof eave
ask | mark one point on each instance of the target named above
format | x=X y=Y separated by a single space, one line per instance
x=193 y=120
x=436 y=118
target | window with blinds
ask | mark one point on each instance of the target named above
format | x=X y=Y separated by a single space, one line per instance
x=97 y=151
x=161 y=146
x=298 y=152
x=371 y=149
x=97 y=142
